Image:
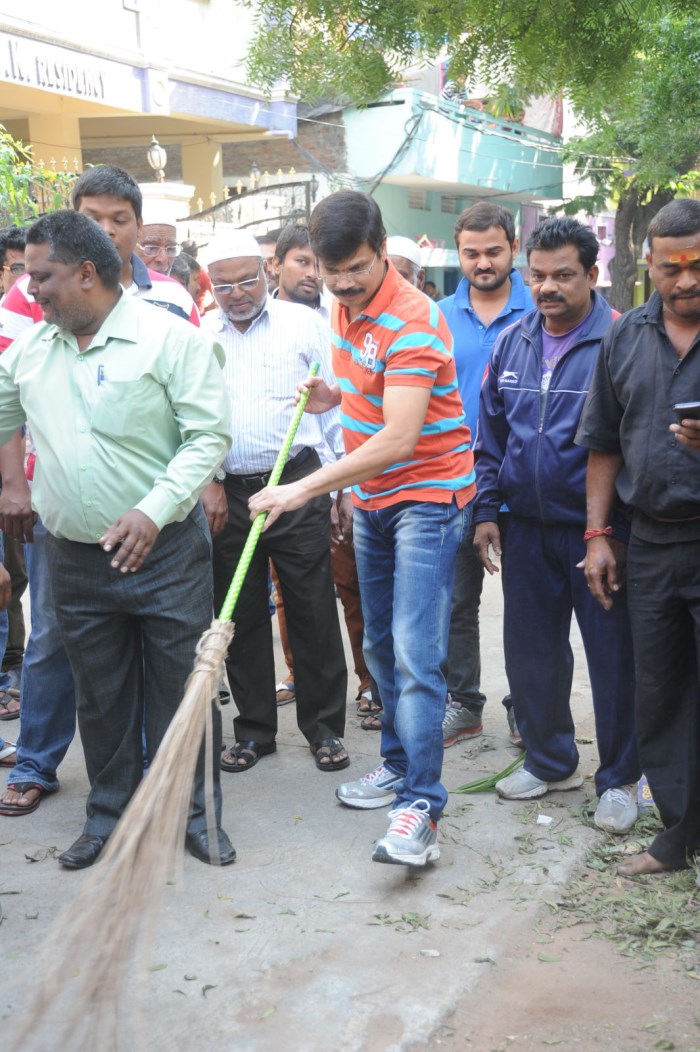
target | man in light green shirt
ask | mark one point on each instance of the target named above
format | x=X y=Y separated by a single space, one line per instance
x=129 y=418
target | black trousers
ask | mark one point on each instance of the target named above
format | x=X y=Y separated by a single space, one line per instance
x=131 y=640
x=299 y=546
x=664 y=605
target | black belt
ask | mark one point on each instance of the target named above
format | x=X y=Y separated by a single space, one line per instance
x=260 y=480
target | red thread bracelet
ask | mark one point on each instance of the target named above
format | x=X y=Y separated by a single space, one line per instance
x=590 y=534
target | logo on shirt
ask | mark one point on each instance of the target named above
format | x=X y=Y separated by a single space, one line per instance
x=508 y=377
x=368 y=354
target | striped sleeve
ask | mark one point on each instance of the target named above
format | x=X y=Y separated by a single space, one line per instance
x=18 y=313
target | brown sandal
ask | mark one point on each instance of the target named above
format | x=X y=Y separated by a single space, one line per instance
x=373 y=721
x=6 y=699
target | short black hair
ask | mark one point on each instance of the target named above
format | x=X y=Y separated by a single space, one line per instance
x=190 y=248
x=292 y=237
x=14 y=237
x=270 y=238
x=560 y=231
x=109 y=180
x=190 y=261
x=343 y=221
x=181 y=268
x=482 y=216
x=678 y=218
x=75 y=238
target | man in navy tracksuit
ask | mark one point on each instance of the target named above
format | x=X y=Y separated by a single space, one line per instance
x=539 y=373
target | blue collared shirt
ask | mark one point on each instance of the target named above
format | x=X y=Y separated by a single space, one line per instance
x=473 y=341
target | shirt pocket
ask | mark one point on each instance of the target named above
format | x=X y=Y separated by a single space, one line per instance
x=129 y=407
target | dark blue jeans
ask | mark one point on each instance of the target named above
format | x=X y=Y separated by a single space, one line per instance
x=131 y=640
x=405 y=563
x=541 y=588
x=48 y=694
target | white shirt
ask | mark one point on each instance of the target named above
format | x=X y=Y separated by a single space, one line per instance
x=263 y=367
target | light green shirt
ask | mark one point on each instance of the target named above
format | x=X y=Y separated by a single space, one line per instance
x=138 y=420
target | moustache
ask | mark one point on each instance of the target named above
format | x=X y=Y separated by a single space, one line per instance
x=685 y=295
x=341 y=293
x=483 y=273
x=551 y=299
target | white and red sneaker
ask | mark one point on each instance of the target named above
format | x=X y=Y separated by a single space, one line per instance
x=411 y=839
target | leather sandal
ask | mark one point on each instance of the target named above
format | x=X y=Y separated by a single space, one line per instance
x=326 y=749
x=7 y=697
x=372 y=721
x=285 y=692
x=13 y=810
x=250 y=752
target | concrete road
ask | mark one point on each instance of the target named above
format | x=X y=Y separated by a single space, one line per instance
x=305 y=943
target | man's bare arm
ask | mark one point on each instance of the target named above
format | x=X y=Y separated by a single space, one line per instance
x=405 y=409
x=601 y=566
x=16 y=515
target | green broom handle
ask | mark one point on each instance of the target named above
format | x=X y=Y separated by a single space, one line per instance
x=259 y=520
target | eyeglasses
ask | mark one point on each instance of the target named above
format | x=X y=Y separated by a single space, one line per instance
x=226 y=290
x=352 y=272
x=154 y=250
x=14 y=268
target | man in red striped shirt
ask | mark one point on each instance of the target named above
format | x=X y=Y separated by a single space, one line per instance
x=409 y=462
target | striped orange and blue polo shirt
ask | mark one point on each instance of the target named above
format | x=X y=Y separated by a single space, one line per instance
x=401 y=339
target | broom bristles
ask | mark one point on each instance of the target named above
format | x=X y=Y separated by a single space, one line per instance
x=107 y=930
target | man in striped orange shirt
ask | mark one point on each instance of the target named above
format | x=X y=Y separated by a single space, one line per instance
x=410 y=464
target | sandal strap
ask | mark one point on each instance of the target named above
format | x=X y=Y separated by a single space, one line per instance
x=334 y=746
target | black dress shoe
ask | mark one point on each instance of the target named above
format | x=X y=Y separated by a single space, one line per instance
x=198 y=845
x=83 y=852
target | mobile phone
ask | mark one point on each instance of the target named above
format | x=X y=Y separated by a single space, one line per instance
x=687 y=411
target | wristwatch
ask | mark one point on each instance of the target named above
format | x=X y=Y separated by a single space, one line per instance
x=219 y=476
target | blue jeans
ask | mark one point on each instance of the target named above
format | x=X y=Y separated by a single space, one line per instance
x=4 y=676
x=405 y=563
x=48 y=695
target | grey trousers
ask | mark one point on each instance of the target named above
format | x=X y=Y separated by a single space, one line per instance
x=130 y=640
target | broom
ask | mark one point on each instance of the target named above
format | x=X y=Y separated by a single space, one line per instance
x=109 y=928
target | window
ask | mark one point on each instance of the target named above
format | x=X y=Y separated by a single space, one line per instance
x=450 y=204
x=418 y=200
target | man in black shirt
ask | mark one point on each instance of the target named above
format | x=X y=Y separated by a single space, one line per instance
x=639 y=445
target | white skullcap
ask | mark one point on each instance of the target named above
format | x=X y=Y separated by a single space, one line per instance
x=158 y=215
x=403 y=246
x=233 y=245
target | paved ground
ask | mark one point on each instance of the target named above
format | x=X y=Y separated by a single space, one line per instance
x=305 y=943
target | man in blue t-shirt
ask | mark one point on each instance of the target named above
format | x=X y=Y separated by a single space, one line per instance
x=490 y=296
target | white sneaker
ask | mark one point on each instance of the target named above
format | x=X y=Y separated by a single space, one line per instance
x=522 y=785
x=411 y=837
x=376 y=789
x=617 y=809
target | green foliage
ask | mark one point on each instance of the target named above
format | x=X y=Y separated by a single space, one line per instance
x=356 y=48
x=648 y=135
x=26 y=189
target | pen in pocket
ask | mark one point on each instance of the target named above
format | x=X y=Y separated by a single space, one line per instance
x=100 y=374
